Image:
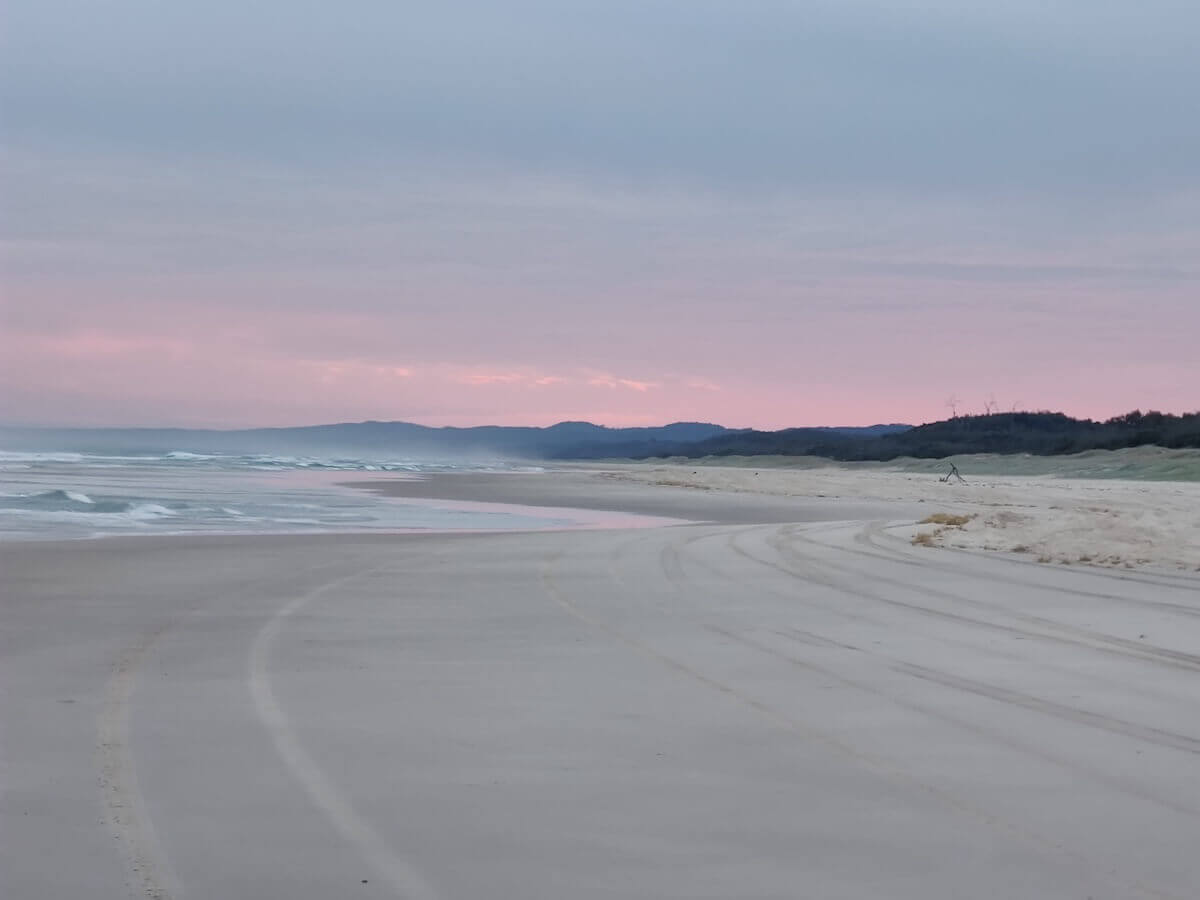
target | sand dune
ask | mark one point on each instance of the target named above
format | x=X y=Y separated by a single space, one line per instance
x=1071 y=520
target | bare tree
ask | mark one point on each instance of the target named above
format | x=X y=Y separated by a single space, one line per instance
x=990 y=406
x=952 y=402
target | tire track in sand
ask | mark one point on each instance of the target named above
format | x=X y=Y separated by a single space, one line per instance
x=389 y=866
x=881 y=767
x=147 y=872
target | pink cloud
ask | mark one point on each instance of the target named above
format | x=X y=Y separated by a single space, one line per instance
x=529 y=378
x=534 y=299
x=491 y=378
x=332 y=371
x=612 y=382
x=95 y=345
x=861 y=350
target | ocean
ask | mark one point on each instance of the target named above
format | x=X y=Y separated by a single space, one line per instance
x=53 y=494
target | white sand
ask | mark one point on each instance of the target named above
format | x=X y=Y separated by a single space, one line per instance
x=1108 y=522
x=787 y=701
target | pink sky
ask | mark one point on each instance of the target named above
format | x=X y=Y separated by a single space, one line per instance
x=856 y=349
x=466 y=212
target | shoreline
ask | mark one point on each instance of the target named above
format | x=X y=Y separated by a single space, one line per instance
x=1106 y=523
x=605 y=489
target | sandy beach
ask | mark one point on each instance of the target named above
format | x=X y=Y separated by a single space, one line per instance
x=787 y=698
x=1052 y=517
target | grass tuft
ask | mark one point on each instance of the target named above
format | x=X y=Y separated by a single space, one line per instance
x=948 y=519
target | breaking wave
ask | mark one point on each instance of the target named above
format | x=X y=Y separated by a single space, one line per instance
x=229 y=461
x=82 y=494
x=76 y=503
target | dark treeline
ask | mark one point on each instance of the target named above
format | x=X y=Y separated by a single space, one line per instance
x=1039 y=433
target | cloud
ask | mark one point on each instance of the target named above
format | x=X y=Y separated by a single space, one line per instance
x=879 y=91
x=768 y=213
x=526 y=378
x=331 y=371
x=534 y=379
x=485 y=378
x=97 y=346
x=612 y=382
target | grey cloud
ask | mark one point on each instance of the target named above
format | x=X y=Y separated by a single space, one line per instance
x=749 y=93
x=990 y=272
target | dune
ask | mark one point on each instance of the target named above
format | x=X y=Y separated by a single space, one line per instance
x=1054 y=517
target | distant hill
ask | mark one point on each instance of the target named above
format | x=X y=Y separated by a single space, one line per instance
x=566 y=440
x=398 y=439
x=519 y=442
x=1040 y=433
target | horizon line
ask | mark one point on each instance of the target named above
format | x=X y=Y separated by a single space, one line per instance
x=877 y=424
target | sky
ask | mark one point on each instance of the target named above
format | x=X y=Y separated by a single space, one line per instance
x=762 y=213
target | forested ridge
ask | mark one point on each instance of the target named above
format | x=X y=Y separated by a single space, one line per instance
x=1039 y=433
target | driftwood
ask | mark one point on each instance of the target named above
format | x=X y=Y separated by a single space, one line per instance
x=953 y=473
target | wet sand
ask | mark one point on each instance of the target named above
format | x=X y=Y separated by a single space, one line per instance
x=787 y=699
